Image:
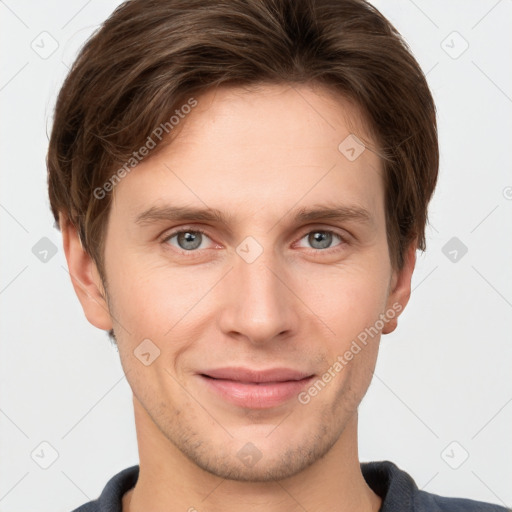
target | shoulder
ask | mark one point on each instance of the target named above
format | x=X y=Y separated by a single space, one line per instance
x=428 y=502
x=400 y=493
x=110 y=499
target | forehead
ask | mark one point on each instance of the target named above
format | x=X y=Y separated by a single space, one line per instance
x=257 y=149
x=276 y=114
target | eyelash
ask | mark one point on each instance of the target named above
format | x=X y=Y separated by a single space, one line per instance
x=340 y=246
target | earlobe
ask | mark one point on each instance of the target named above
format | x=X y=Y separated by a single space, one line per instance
x=400 y=288
x=85 y=277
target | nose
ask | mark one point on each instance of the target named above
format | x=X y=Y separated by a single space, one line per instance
x=258 y=302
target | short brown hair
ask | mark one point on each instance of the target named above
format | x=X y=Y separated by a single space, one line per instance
x=151 y=56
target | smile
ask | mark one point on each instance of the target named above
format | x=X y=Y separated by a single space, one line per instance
x=255 y=389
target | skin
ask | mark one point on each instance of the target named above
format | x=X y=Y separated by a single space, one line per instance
x=256 y=155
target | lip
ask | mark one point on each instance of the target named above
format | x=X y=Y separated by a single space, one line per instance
x=255 y=389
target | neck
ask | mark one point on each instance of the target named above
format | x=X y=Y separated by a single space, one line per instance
x=168 y=481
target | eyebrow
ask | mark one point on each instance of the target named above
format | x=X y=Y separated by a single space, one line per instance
x=311 y=214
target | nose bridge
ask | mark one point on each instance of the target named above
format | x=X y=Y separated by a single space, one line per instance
x=258 y=305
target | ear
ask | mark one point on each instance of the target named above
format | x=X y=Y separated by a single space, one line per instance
x=85 y=277
x=400 y=288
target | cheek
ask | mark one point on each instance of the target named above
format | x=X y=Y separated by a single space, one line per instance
x=154 y=301
x=347 y=298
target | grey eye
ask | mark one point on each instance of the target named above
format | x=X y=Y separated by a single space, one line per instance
x=320 y=239
x=189 y=240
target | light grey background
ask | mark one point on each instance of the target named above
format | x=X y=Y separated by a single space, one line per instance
x=442 y=389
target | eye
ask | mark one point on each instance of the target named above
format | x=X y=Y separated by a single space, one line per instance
x=187 y=240
x=191 y=240
x=322 y=239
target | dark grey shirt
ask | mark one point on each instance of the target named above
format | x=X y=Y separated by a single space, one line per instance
x=397 y=489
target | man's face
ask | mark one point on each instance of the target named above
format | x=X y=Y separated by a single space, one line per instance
x=262 y=289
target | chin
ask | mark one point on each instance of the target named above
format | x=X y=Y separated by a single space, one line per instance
x=250 y=464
